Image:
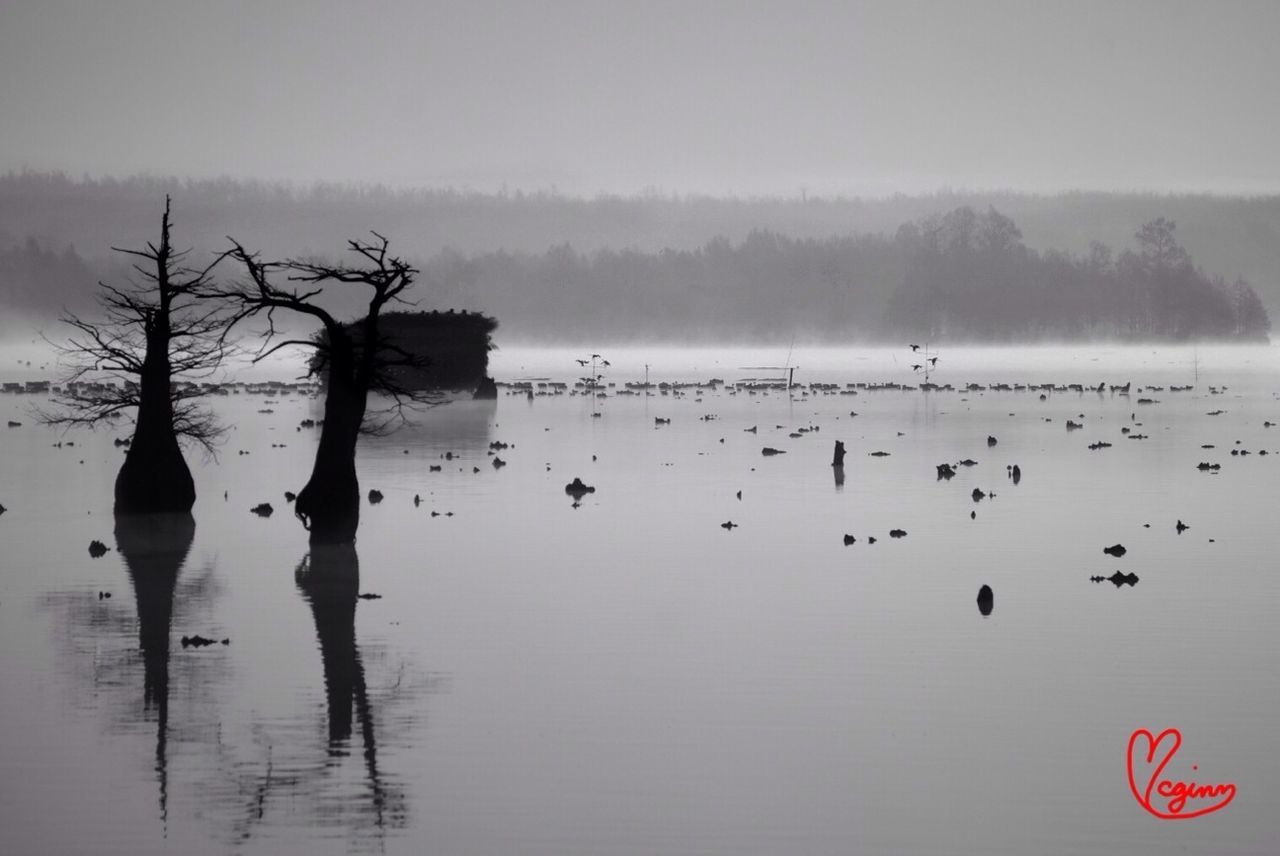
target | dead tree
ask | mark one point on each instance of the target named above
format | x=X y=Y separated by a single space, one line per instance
x=354 y=362
x=156 y=336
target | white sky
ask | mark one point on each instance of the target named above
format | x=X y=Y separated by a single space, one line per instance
x=710 y=97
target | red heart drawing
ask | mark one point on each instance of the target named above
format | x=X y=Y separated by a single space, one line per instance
x=1176 y=792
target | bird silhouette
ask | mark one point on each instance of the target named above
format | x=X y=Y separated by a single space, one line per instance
x=914 y=347
x=605 y=363
x=916 y=368
x=933 y=361
x=582 y=362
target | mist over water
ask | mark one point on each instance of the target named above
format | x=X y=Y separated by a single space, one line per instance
x=968 y=266
x=628 y=674
x=854 y=428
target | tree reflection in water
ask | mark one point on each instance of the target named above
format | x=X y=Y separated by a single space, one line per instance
x=246 y=776
x=154 y=547
x=329 y=579
x=282 y=772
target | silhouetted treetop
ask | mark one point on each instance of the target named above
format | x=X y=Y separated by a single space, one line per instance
x=352 y=365
x=154 y=331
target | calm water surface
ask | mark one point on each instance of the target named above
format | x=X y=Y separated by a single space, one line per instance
x=627 y=676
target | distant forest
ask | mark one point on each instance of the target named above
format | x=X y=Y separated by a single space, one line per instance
x=961 y=276
x=963 y=266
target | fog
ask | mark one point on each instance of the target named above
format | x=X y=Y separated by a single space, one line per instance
x=544 y=161
x=605 y=427
x=707 y=97
x=689 y=269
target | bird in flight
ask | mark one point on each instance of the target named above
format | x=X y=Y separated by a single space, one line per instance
x=933 y=361
x=582 y=362
x=916 y=368
x=914 y=347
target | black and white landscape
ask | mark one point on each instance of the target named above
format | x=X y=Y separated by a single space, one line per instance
x=601 y=428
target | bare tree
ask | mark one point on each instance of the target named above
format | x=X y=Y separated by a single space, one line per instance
x=353 y=359
x=154 y=333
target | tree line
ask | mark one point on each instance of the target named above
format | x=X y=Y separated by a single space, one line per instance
x=36 y=281
x=963 y=275
x=968 y=275
x=1226 y=234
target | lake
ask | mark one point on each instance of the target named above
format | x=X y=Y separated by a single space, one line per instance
x=626 y=675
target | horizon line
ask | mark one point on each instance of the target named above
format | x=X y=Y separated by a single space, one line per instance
x=802 y=195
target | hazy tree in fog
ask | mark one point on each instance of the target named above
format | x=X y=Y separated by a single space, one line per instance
x=968 y=276
x=354 y=361
x=154 y=334
x=1251 y=319
x=36 y=280
x=1179 y=301
x=1159 y=248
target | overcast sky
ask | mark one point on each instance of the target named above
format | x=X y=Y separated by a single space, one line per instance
x=716 y=97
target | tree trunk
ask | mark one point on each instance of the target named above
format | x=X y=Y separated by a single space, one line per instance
x=155 y=477
x=329 y=504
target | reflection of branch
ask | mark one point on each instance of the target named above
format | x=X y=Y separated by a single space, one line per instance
x=247 y=777
x=365 y=715
x=255 y=808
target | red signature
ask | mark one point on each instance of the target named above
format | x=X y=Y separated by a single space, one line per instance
x=1175 y=793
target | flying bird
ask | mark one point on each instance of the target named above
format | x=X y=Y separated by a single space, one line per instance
x=916 y=368
x=933 y=361
x=914 y=347
x=582 y=362
x=605 y=363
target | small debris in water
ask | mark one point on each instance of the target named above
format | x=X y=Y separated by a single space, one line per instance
x=199 y=641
